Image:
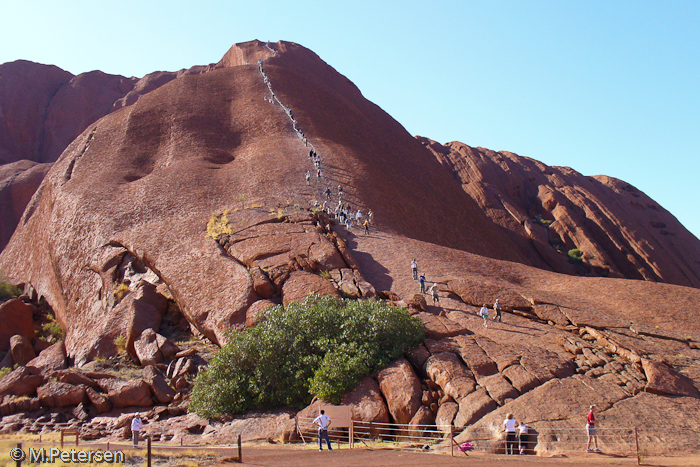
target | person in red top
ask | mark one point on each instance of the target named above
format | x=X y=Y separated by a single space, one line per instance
x=590 y=430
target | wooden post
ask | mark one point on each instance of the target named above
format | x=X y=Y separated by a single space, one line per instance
x=148 y=452
x=108 y=445
x=452 y=440
x=636 y=442
x=19 y=462
x=61 y=439
x=240 y=451
x=352 y=434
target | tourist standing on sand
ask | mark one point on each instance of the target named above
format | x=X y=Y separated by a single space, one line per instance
x=308 y=178
x=509 y=425
x=414 y=269
x=497 y=309
x=421 y=281
x=484 y=312
x=328 y=192
x=136 y=425
x=366 y=224
x=434 y=293
x=590 y=430
x=370 y=216
x=323 y=421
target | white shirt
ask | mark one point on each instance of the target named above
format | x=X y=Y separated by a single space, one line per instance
x=414 y=265
x=509 y=423
x=322 y=421
x=136 y=424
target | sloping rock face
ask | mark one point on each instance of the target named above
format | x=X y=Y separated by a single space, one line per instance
x=552 y=210
x=132 y=184
x=18 y=183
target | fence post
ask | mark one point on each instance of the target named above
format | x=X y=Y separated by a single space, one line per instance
x=108 y=445
x=19 y=462
x=352 y=434
x=61 y=439
x=148 y=452
x=452 y=440
x=636 y=442
x=240 y=451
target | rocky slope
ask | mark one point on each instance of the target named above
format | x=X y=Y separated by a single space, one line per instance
x=190 y=206
x=551 y=210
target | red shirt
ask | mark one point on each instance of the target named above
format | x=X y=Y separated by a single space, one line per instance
x=590 y=419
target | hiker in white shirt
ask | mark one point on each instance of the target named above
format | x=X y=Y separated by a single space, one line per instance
x=323 y=421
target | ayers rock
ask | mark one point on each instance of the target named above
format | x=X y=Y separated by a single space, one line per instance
x=128 y=202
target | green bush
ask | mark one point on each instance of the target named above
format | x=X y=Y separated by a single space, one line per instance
x=8 y=290
x=53 y=329
x=320 y=347
x=575 y=256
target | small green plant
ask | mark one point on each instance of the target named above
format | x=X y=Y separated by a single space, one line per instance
x=8 y=290
x=120 y=343
x=242 y=199
x=279 y=213
x=575 y=256
x=53 y=329
x=5 y=371
x=325 y=275
x=218 y=224
x=120 y=291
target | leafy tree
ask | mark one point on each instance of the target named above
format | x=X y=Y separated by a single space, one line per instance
x=322 y=346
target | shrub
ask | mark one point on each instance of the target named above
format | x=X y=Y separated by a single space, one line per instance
x=218 y=224
x=325 y=275
x=120 y=291
x=575 y=256
x=53 y=329
x=120 y=343
x=8 y=290
x=329 y=345
x=5 y=371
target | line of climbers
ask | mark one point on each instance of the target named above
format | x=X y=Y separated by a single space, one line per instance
x=341 y=212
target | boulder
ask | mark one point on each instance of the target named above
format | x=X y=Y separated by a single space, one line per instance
x=499 y=388
x=7 y=361
x=446 y=415
x=661 y=379
x=20 y=382
x=367 y=404
x=521 y=379
x=401 y=389
x=473 y=407
x=127 y=393
x=57 y=394
x=474 y=356
x=21 y=350
x=75 y=378
x=261 y=283
x=152 y=348
x=440 y=327
x=98 y=401
x=158 y=385
x=451 y=375
x=254 y=313
x=422 y=421
x=418 y=302
x=16 y=319
x=300 y=284
x=418 y=356
x=51 y=359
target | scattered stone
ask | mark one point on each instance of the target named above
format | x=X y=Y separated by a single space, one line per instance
x=127 y=393
x=20 y=382
x=401 y=389
x=57 y=394
x=98 y=401
x=152 y=348
x=159 y=386
x=661 y=379
x=51 y=359
x=451 y=375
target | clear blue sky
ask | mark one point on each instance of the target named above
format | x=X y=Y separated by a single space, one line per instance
x=604 y=87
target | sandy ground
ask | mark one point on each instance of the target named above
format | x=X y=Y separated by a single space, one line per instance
x=283 y=456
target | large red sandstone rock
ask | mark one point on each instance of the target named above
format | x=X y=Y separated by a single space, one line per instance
x=446 y=415
x=20 y=382
x=75 y=378
x=127 y=393
x=253 y=314
x=300 y=284
x=474 y=356
x=521 y=379
x=21 y=350
x=51 y=359
x=159 y=386
x=420 y=423
x=664 y=380
x=451 y=375
x=401 y=389
x=367 y=404
x=152 y=348
x=621 y=231
x=15 y=319
x=57 y=394
x=474 y=407
x=499 y=389
x=99 y=401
